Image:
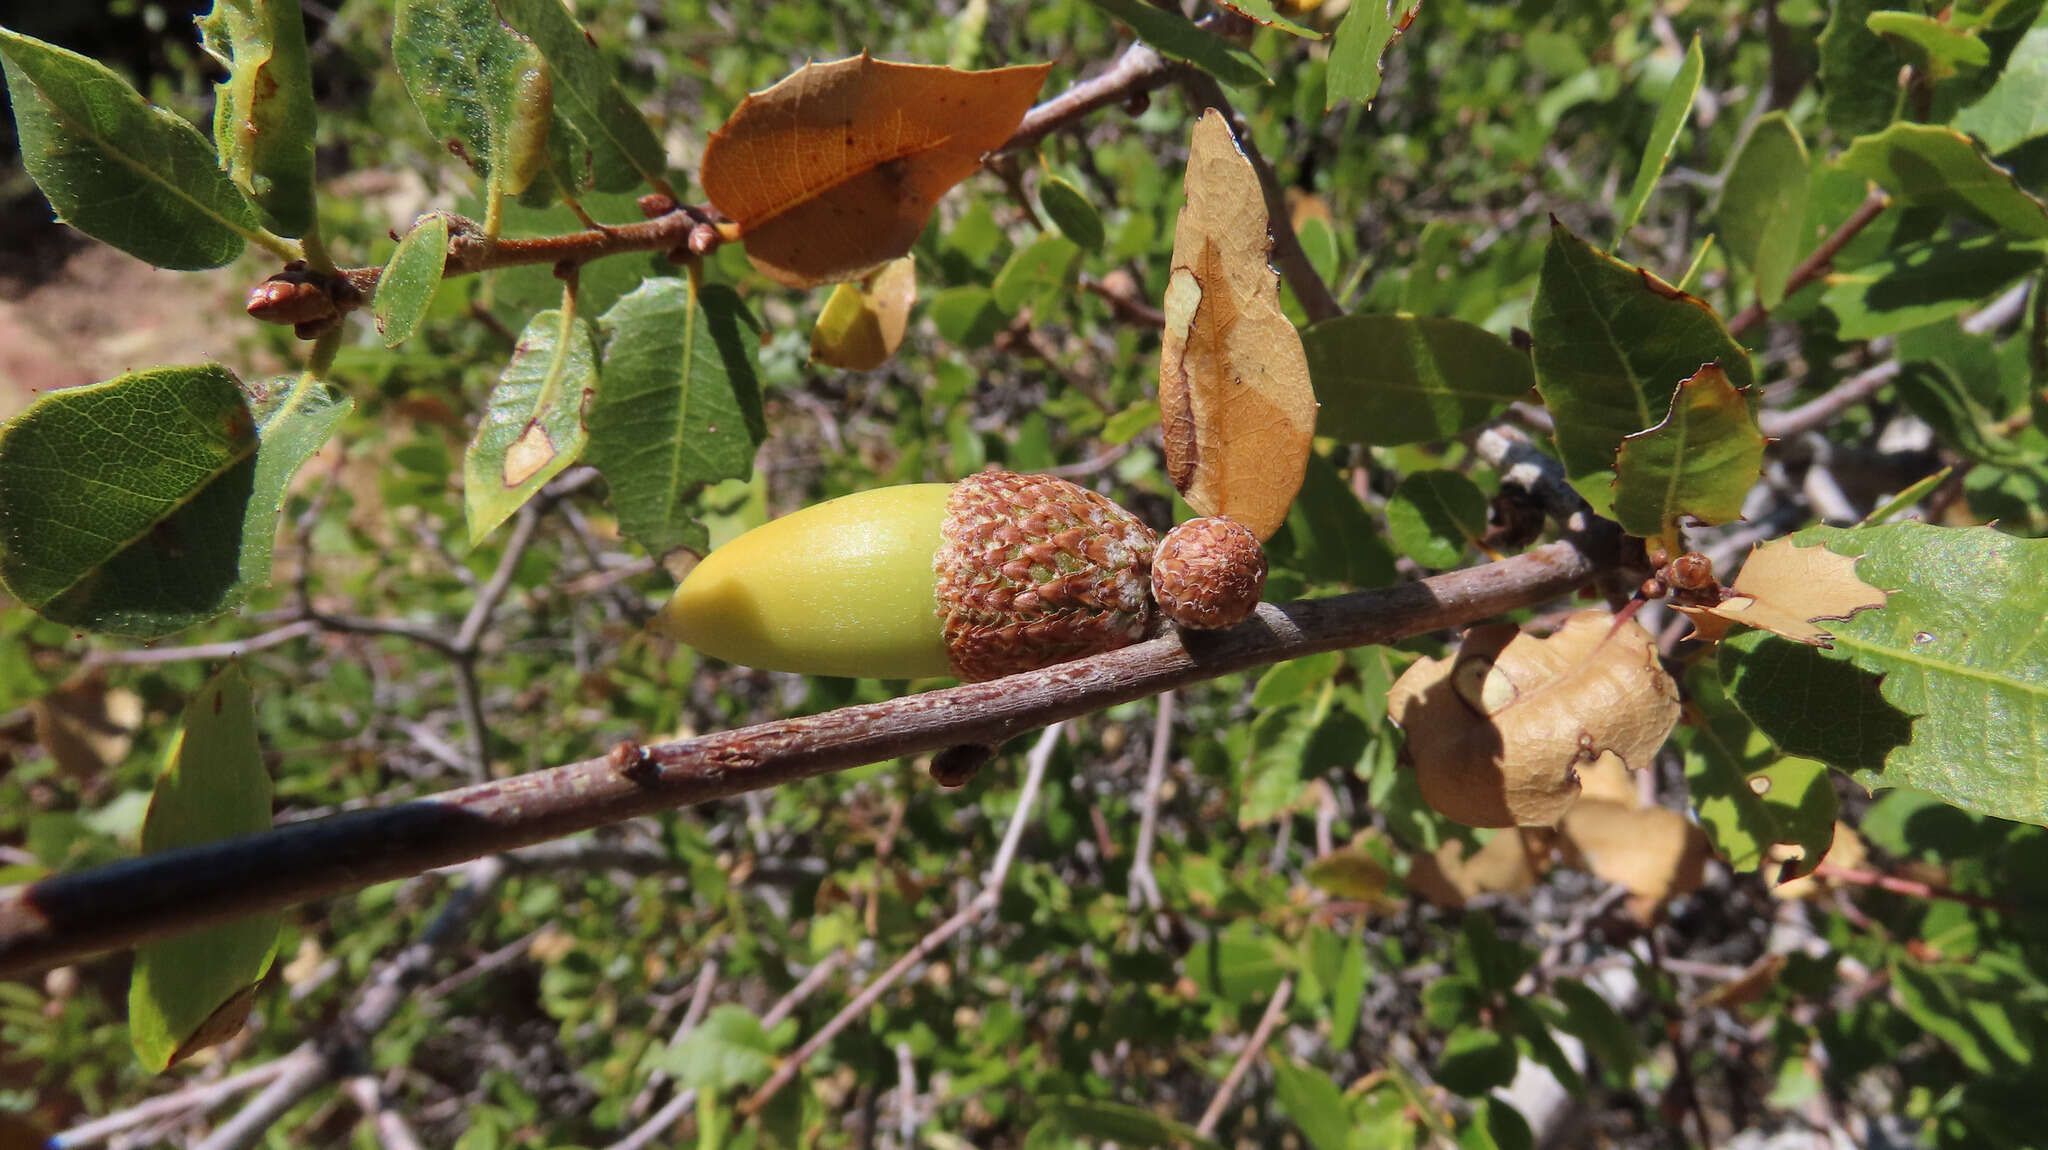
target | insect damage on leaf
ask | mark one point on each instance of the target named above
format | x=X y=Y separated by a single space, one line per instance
x=1237 y=411
x=1785 y=589
x=1498 y=732
x=528 y=454
x=833 y=172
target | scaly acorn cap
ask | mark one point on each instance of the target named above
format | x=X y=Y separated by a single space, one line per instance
x=995 y=574
x=1208 y=573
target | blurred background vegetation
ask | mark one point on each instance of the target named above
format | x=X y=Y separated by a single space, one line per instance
x=1429 y=1004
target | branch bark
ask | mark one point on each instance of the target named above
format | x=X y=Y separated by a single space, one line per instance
x=67 y=917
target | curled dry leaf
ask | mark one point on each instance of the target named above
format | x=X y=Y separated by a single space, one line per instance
x=832 y=172
x=1499 y=731
x=1235 y=405
x=1508 y=863
x=862 y=325
x=85 y=727
x=1658 y=854
x=1785 y=589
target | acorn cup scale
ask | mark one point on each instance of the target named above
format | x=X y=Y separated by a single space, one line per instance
x=996 y=574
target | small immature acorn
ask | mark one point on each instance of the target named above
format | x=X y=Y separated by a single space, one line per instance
x=996 y=574
x=1208 y=573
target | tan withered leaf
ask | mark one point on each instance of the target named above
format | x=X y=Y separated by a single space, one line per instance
x=832 y=172
x=1655 y=852
x=1499 y=732
x=1235 y=405
x=1507 y=864
x=862 y=324
x=1786 y=589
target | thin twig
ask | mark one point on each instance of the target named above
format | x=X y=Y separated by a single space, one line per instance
x=1308 y=286
x=184 y=1104
x=983 y=903
x=393 y=1132
x=1138 y=70
x=1144 y=884
x=1276 y=1008
x=700 y=1001
x=231 y=649
x=67 y=917
x=1819 y=263
x=1856 y=876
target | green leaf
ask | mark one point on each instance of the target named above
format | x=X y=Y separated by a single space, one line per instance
x=1496 y=1125
x=1346 y=995
x=1809 y=704
x=1938 y=48
x=2015 y=110
x=1858 y=71
x=1721 y=750
x=1923 y=165
x=1391 y=379
x=1177 y=36
x=967 y=316
x=1763 y=205
x=1242 y=965
x=1612 y=344
x=1270 y=780
x=213 y=786
x=678 y=406
x=1313 y=1102
x=1037 y=274
x=1475 y=1061
x=1131 y=422
x=187 y=529
x=1959 y=646
x=1362 y=39
x=473 y=81
x=1967 y=1010
x=1671 y=116
x=1934 y=394
x=406 y=288
x=1434 y=516
x=624 y=150
x=1593 y=1020
x=1330 y=538
x=1698 y=464
x=729 y=1048
x=532 y=426
x=1286 y=684
x=1924 y=283
x=1116 y=1122
x=115 y=167
x=1264 y=13
x=1071 y=212
x=263 y=116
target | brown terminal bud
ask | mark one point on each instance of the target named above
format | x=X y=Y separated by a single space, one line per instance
x=293 y=296
x=1691 y=571
x=656 y=204
x=955 y=767
x=1207 y=573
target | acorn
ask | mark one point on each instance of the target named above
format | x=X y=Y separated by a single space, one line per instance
x=996 y=574
x=1208 y=573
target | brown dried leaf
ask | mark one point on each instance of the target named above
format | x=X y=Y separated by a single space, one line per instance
x=1506 y=864
x=1755 y=982
x=85 y=727
x=862 y=325
x=1235 y=405
x=1656 y=853
x=832 y=172
x=1499 y=731
x=1785 y=588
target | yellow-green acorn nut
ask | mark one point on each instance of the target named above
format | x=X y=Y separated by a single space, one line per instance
x=995 y=574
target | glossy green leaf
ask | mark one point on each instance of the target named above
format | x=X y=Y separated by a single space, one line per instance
x=117 y=168
x=1496 y=1125
x=1390 y=379
x=679 y=406
x=1968 y=1009
x=2015 y=110
x=213 y=786
x=1936 y=47
x=1747 y=797
x=1263 y=12
x=1612 y=344
x=1925 y=283
x=1924 y=165
x=475 y=83
x=1958 y=652
x=1177 y=36
x=728 y=1048
x=1071 y=212
x=1116 y=1122
x=406 y=288
x=263 y=116
x=532 y=427
x=1859 y=71
x=1319 y=244
x=1763 y=205
x=1434 y=517
x=187 y=531
x=624 y=150
x=1960 y=419
x=1698 y=464
x=1671 y=116
x=1475 y=1061
x=1362 y=40
x=1313 y=1102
